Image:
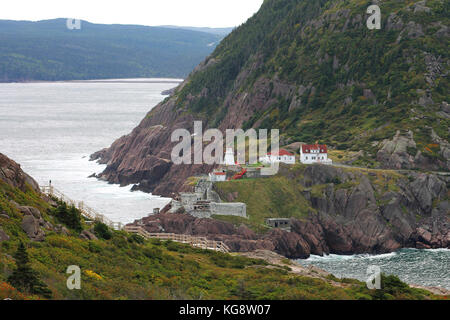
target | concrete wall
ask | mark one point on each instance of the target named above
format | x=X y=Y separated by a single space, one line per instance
x=213 y=196
x=188 y=200
x=204 y=191
x=280 y=223
x=229 y=209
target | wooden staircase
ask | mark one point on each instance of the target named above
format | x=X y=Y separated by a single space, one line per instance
x=92 y=215
x=198 y=242
x=85 y=210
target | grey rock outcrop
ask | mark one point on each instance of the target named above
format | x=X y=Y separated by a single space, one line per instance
x=421 y=7
x=88 y=235
x=394 y=153
x=4 y=215
x=12 y=174
x=31 y=226
x=401 y=153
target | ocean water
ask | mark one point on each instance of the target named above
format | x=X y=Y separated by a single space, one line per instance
x=52 y=128
x=422 y=267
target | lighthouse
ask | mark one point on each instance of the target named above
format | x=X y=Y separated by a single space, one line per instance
x=229 y=157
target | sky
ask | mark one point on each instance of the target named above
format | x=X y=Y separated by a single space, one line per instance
x=196 y=13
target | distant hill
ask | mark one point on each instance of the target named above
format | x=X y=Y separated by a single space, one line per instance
x=218 y=31
x=48 y=50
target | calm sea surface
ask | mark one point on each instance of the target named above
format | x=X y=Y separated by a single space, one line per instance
x=52 y=128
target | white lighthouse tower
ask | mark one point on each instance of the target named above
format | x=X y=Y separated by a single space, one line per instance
x=229 y=157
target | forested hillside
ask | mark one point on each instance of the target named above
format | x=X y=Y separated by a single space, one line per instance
x=312 y=69
x=48 y=50
x=315 y=71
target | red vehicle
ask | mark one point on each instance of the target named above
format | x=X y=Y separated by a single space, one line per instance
x=239 y=175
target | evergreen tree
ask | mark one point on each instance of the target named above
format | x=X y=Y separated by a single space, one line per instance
x=24 y=278
x=70 y=216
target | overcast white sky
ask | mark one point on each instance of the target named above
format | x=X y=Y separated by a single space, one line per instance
x=197 y=13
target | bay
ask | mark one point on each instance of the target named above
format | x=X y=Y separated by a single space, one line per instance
x=51 y=128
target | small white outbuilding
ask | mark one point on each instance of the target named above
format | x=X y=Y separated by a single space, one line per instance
x=282 y=156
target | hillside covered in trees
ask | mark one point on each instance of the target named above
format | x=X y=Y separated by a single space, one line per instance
x=313 y=70
x=48 y=50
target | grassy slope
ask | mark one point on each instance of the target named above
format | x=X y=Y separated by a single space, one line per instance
x=266 y=198
x=121 y=268
x=282 y=196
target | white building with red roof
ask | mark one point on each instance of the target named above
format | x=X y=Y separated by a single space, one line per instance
x=218 y=176
x=280 y=156
x=314 y=153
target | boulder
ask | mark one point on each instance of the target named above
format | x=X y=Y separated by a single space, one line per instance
x=4 y=215
x=3 y=235
x=88 y=235
x=424 y=235
x=421 y=7
x=32 y=211
x=445 y=107
x=62 y=230
x=289 y=244
x=246 y=233
x=31 y=227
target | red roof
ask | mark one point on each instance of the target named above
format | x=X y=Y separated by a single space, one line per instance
x=282 y=152
x=306 y=148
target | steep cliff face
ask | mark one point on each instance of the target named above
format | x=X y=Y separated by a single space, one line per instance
x=313 y=70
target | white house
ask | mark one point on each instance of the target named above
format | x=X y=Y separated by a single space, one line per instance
x=314 y=153
x=280 y=156
x=217 y=176
x=229 y=157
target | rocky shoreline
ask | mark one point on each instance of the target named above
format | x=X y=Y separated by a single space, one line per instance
x=358 y=219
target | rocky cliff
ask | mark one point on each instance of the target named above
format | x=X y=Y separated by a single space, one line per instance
x=313 y=70
x=32 y=221
x=12 y=174
x=350 y=212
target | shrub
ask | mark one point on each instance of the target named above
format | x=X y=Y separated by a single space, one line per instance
x=153 y=252
x=69 y=216
x=135 y=238
x=411 y=151
x=102 y=231
x=95 y=248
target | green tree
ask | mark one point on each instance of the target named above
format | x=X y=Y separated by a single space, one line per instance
x=24 y=278
x=102 y=231
x=70 y=216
